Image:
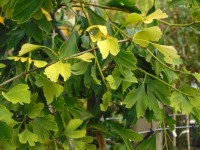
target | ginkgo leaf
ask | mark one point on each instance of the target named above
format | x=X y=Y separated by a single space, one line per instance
x=71 y=129
x=144 y=37
x=18 y=94
x=47 y=15
x=170 y=54
x=26 y=48
x=49 y=93
x=197 y=76
x=39 y=63
x=28 y=136
x=2 y=20
x=6 y=116
x=86 y=57
x=179 y=102
x=110 y=45
x=158 y=14
x=59 y=68
x=106 y=101
x=97 y=32
x=133 y=18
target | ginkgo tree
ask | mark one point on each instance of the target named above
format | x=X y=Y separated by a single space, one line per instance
x=61 y=80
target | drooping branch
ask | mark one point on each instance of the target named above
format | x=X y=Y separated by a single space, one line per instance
x=66 y=58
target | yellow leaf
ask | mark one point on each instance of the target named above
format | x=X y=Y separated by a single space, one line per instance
x=2 y=20
x=97 y=32
x=86 y=57
x=47 y=15
x=144 y=37
x=64 y=30
x=170 y=54
x=110 y=45
x=59 y=68
x=39 y=63
x=158 y=14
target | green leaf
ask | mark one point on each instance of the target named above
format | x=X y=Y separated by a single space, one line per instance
x=59 y=68
x=111 y=82
x=170 y=54
x=133 y=18
x=158 y=14
x=94 y=18
x=144 y=37
x=33 y=109
x=94 y=76
x=23 y=10
x=49 y=93
x=97 y=32
x=139 y=96
x=42 y=125
x=160 y=90
x=69 y=47
x=129 y=134
x=79 y=68
x=153 y=104
x=149 y=144
x=110 y=45
x=26 y=48
x=28 y=136
x=87 y=57
x=125 y=59
x=197 y=76
x=179 y=102
x=71 y=129
x=107 y=97
x=6 y=137
x=6 y=116
x=185 y=88
x=18 y=94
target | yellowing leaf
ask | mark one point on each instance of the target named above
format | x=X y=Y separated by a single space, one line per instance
x=26 y=48
x=6 y=116
x=85 y=57
x=110 y=45
x=39 y=63
x=144 y=37
x=97 y=32
x=112 y=82
x=64 y=30
x=133 y=18
x=18 y=94
x=59 y=68
x=28 y=136
x=158 y=14
x=2 y=20
x=47 y=15
x=170 y=54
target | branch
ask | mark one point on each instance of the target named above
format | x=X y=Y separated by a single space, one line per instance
x=99 y=6
x=66 y=58
x=178 y=25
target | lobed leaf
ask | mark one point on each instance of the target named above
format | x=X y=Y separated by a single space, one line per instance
x=18 y=94
x=110 y=45
x=59 y=68
x=97 y=32
x=158 y=14
x=28 y=136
